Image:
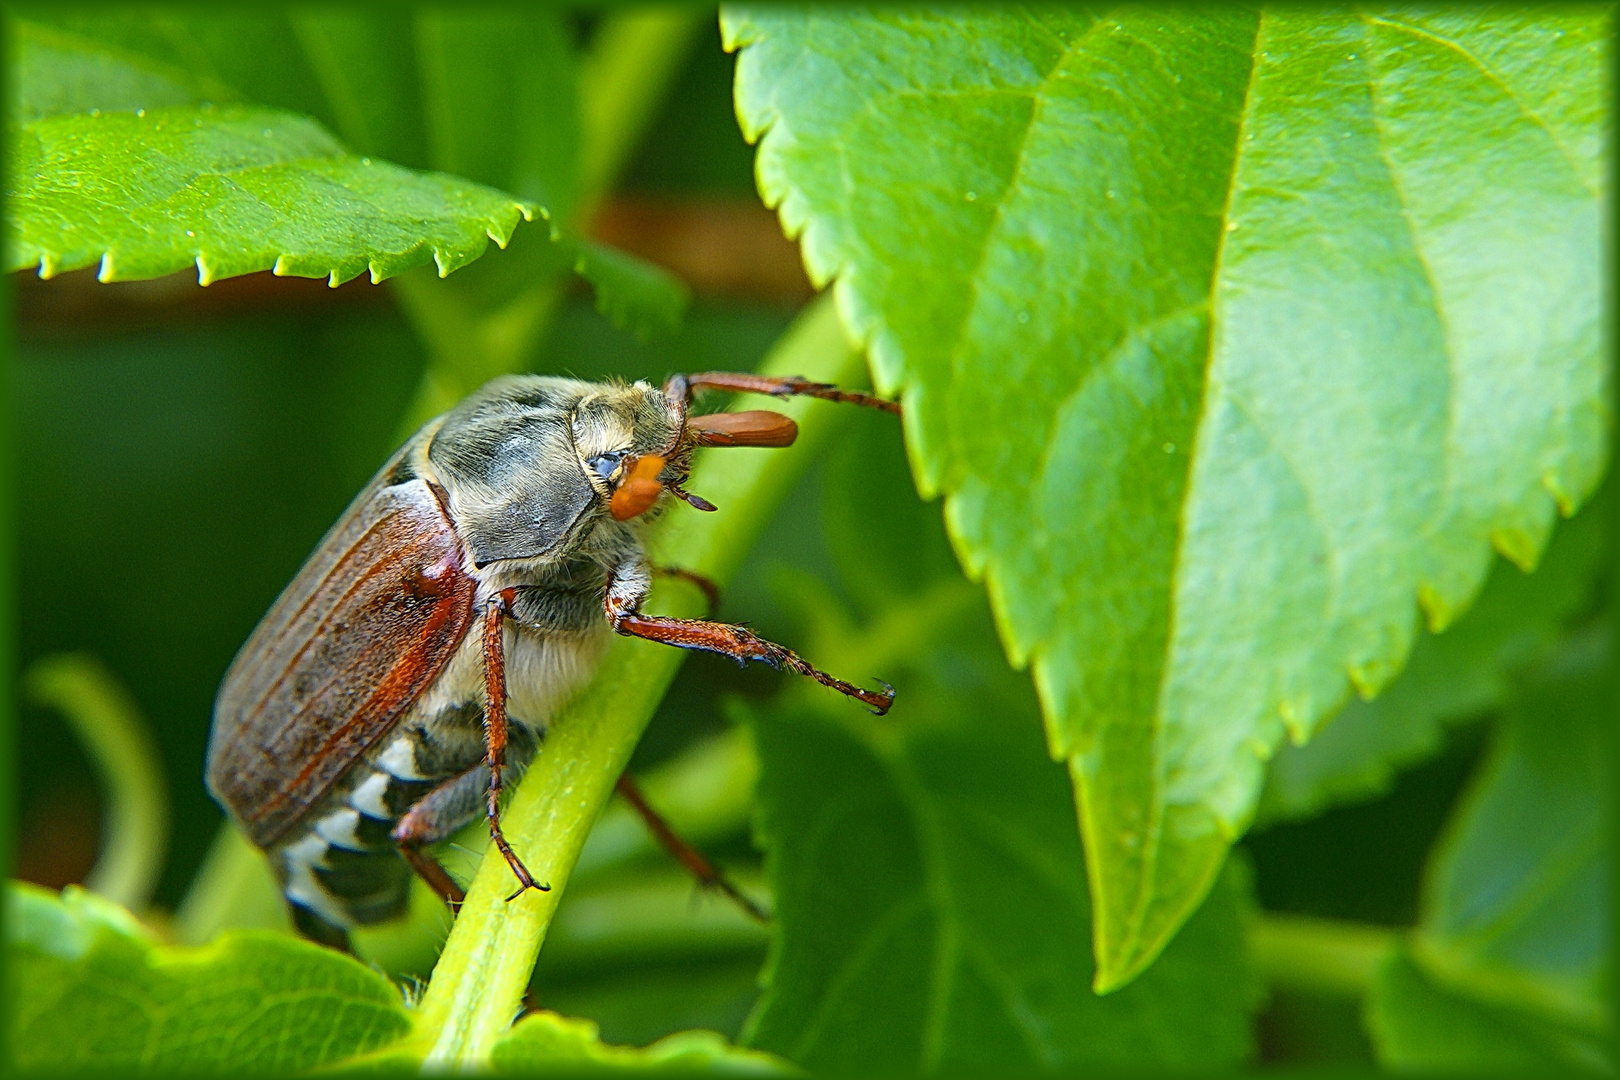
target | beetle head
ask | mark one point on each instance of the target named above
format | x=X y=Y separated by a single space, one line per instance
x=532 y=464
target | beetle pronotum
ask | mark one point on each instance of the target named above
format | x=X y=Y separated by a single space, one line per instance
x=408 y=672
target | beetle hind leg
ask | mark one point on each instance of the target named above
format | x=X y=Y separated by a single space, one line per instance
x=707 y=874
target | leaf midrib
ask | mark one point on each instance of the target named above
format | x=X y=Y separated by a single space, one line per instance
x=1152 y=840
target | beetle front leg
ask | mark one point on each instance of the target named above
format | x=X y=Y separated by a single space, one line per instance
x=495 y=733
x=624 y=597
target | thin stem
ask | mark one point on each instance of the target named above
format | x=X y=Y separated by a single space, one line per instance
x=135 y=833
x=235 y=888
x=491 y=951
x=1327 y=956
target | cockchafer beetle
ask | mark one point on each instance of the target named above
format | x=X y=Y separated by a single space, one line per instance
x=408 y=672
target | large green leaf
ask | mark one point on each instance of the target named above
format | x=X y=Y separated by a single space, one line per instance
x=930 y=892
x=1230 y=338
x=120 y=157
x=485 y=96
x=90 y=989
x=1453 y=676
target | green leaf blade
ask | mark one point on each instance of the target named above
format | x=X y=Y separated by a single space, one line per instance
x=55 y=73
x=1453 y=676
x=1220 y=376
x=938 y=884
x=233 y=191
x=97 y=992
x=544 y=1040
x=1420 y=1024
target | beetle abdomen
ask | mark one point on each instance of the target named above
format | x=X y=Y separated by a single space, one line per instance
x=340 y=867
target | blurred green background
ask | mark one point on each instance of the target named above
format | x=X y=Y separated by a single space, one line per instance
x=181 y=450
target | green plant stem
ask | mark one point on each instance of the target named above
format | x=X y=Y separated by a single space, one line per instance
x=487 y=961
x=135 y=830
x=1325 y=956
x=622 y=79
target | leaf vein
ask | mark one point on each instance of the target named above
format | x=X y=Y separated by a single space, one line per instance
x=1495 y=79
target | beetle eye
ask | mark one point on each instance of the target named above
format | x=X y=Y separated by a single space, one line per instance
x=604 y=464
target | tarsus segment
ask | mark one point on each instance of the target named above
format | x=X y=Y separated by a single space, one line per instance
x=682 y=387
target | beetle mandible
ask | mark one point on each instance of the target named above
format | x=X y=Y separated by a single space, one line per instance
x=407 y=673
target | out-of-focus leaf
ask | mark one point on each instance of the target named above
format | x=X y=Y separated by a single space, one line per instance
x=1518 y=903
x=1451 y=676
x=54 y=73
x=545 y=1041
x=240 y=54
x=231 y=191
x=931 y=903
x=91 y=990
x=704 y=793
x=1229 y=336
x=1509 y=966
x=500 y=100
x=932 y=911
x=650 y=914
x=635 y=294
x=1420 y=1025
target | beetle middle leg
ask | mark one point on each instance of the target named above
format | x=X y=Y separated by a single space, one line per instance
x=449 y=806
x=495 y=734
x=706 y=585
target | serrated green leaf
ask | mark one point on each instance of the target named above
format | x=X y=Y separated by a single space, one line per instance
x=930 y=892
x=1452 y=676
x=232 y=191
x=548 y=1042
x=634 y=293
x=1228 y=337
x=1418 y=1024
x=91 y=989
x=1517 y=905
